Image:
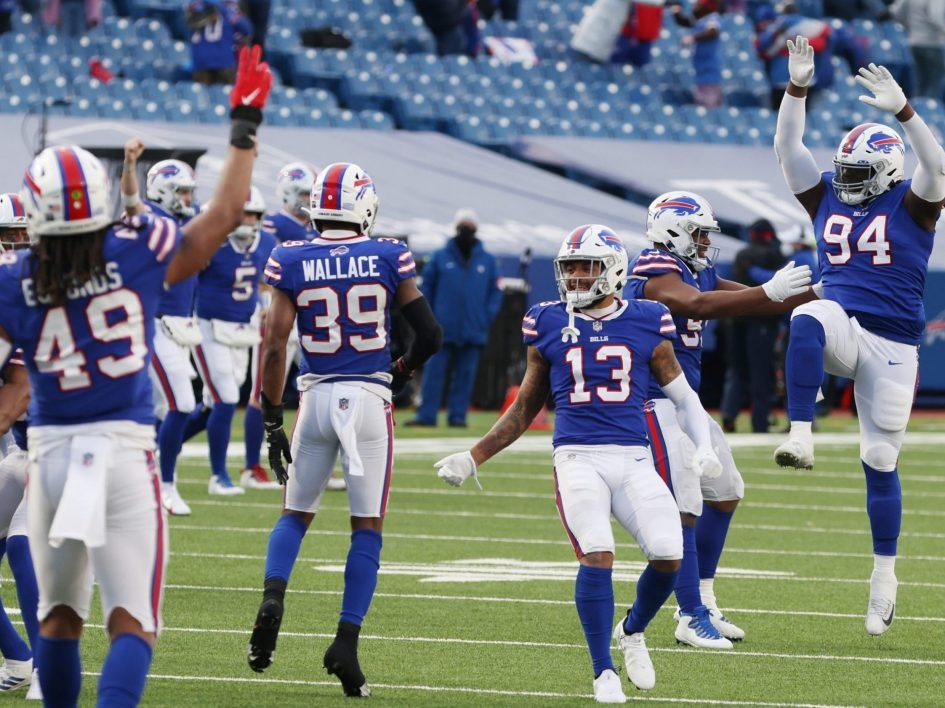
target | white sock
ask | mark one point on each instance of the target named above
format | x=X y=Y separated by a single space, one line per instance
x=884 y=565
x=707 y=592
x=801 y=428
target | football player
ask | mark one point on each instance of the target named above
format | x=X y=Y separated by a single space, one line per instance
x=338 y=291
x=170 y=194
x=82 y=304
x=597 y=354
x=874 y=230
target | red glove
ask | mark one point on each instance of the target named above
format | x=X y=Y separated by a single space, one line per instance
x=253 y=80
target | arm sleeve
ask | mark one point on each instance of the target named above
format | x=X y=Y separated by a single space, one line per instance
x=429 y=335
x=928 y=182
x=692 y=416
x=797 y=162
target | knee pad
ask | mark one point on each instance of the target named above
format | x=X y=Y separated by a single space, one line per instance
x=665 y=548
x=881 y=455
x=892 y=404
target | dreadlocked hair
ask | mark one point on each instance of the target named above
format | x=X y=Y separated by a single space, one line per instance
x=61 y=264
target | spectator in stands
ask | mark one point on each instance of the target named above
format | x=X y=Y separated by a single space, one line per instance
x=641 y=28
x=72 y=18
x=453 y=23
x=218 y=29
x=924 y=22
x=7 y=7
x=752 y=339
x=507 y=8
x=849 y=10
x=257 y=11
x=706 y=49
x=460 y=281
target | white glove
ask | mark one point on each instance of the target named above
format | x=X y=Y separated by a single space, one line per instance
x=790 y=280
x=800 y=61
x=456 y=468
x=706 y=462
x=818 y=289
x=887 y=94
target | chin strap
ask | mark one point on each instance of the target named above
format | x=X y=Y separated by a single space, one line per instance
x=570 y=333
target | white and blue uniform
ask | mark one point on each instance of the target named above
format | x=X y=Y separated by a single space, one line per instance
x=601 y=451
x=94 y=501
x=343 y=290
x=672 y=449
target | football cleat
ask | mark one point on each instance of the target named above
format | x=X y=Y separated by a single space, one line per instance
x=607 y=688
x=35 y=692
x=256 y=477
x=15 y=675
x=222 y=486
x=636 y=658
x=797 y=453
x=262 y=643
x=172 y=501
x=336 y=484
x=697 y=630
x=882 y=607
x=725 y=626
x=342 y=661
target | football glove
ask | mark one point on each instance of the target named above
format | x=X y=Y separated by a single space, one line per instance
x=887 y=94
x=706 y=462
x=800 y=61
x=457 y=468
x=253 y=80
x=276 y=440
x=400 y=375
x=789 y=281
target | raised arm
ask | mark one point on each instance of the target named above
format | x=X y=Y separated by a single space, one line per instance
x=130 y=198
x=205 y=233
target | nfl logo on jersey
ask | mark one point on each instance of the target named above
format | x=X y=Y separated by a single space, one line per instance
x=343 y=404
x=87 y=459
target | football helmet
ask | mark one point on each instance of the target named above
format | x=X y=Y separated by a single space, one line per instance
x=675 y=221
x=168 y=180
x=343 y=192
x=65 y=192
x=605 y=252
x=294 y=186
x=13 y=223
x=870 y=159
x=244 y=236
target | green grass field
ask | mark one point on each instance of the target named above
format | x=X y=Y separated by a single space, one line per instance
x=474 y=602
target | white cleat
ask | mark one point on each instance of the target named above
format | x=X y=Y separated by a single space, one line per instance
x=797 y=453
x=697 y=630
x=35 y=692
x=882 y=608
x=255 y=477
x=336 y=484
x=223 y=487
x=725 y=626
x=172 y=501
x=607 y=688
x=15 y=675
x=636 y=658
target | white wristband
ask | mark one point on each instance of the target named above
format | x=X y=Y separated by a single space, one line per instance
x=130 y=200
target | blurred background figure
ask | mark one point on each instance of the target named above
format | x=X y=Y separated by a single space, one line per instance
x=751 y=365
x=72 y=18
x=218 y=30
x=460 y=281
x=453 y=24
x=924 y=22
x=706 y=42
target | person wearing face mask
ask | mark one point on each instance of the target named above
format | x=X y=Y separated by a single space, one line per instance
x=460 y=282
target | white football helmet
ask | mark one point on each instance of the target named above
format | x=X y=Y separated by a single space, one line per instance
x=13 y=223
x=244 y=236
x=294 y=186
x=343 y=192
x=166 y=180
x=605 y=251
x=675 y=220
x=870 y=159
x=65 y=192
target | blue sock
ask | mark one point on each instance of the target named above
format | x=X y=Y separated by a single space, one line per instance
x=711 y=530
x=12 y=645
x=253 y=434
x=124 y=672
x=219 y=426
x=884 y=507
x=196 y=421
x=364 y=558
x=27 y=592
x=687 y=580
x=60 y=671
x=594 y=598
x=285 y=539
x=804 y=366
x=653 y=589
x=170 y=438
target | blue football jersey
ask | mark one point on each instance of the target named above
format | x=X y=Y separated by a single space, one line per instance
x=286 y=227
x=228 y=288
x=873 y=261
x=343 y=291
x=88 y=359
x=652 y=262
x=178 y=299
x=599 y=383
